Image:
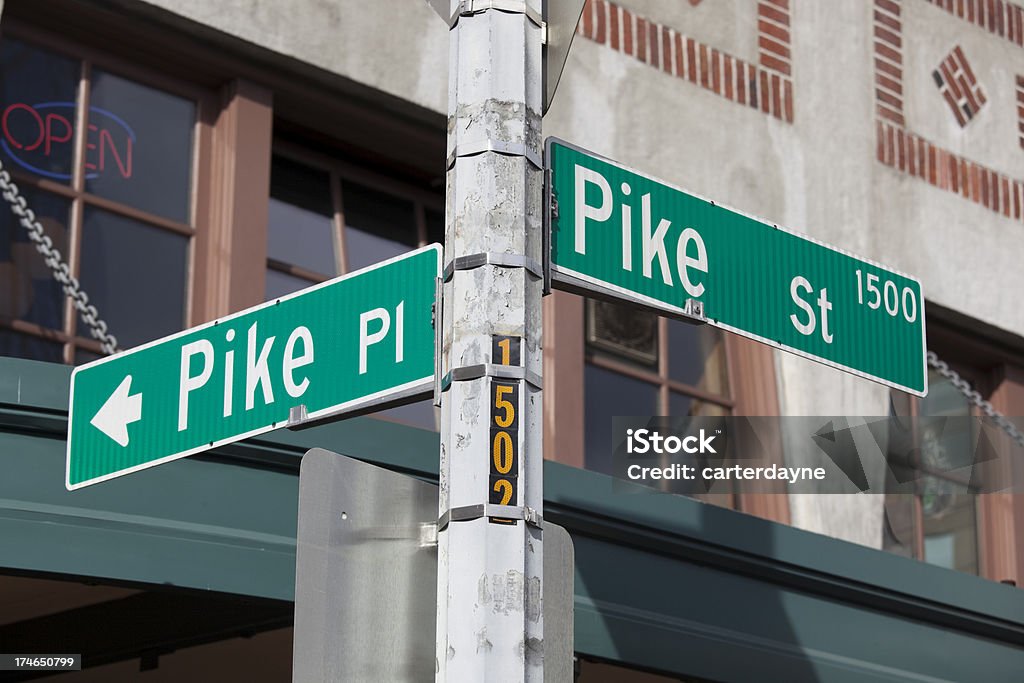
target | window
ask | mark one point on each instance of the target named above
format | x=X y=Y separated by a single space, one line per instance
x=939 y=522
x=328 y=217
x=638 y=363
x=105 y=159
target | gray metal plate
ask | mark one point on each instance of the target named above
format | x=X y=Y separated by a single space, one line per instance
x=366 y=577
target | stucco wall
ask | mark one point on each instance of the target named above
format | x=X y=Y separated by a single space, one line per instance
x=397 y=46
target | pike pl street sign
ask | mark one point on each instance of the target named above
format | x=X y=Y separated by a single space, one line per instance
x=356 y=341
x=622 y=235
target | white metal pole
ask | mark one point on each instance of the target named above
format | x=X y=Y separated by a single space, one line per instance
x=490 y=557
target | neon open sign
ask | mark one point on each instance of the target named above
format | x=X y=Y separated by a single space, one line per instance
x=34 y=135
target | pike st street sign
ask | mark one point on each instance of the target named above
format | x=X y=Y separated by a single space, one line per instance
x=356 y=341
x=623 y=235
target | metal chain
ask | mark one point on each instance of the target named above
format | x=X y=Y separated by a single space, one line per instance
x=974 y=397
x=59 y=268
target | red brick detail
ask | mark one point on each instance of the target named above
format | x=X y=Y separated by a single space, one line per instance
x=728 y=76
x=691 y=57
x=627 y=32
x=652 y=42
x=999 y=17
x=1020 y=109
x=910 y=153
x=770 y=30
x=705 y=68
x=766 y=86
x=770 y=11
x=741 y=89
x=773 y=36
x=641 y=37
x=890 y=6
x=907 y=152
x=889 y=84
x=958 y=86
x=716 y=71
x=886 y=36
x=787 y=99
x=614 y=17
x=888 y=61
x=666 y=50
x=680 y=56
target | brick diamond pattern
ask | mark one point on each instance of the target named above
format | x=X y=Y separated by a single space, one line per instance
x=955 y=80
x=912 y=154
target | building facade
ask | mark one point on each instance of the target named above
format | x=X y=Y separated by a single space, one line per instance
x=191 y=159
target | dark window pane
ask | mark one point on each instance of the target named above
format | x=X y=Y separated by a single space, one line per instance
x=950 y=525
x=628 y=333
x=136 y=276
x=609 y=394
x=946 y=445
x=435 y=226
x=27 y=288
x=82 y=356
x=38 y=94
x=279 y=284
x=696 y=356
x=301 y=227
x=680 y=405
x=27 y=346
x=377 y=225
x=943 y=398
x=139 y=146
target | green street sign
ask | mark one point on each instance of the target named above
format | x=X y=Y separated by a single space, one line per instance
x=360 y=340
x=618 y=234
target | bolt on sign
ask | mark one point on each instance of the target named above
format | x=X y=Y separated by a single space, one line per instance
x=622 y=235
x=358 y=341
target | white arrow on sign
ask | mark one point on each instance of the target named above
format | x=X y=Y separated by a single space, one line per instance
x=118 y=412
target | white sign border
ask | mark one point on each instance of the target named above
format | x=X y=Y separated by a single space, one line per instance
x=632 y=297
x=409 y=388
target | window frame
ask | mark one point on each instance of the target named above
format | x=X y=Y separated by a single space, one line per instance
x=661 y=378
x=976 y=379
x=992 y=360
x=750 y=376
x=73 y=336
x=339 y=171
x=667 y=386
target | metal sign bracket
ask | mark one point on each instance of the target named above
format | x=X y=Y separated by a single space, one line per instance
x=468 y=513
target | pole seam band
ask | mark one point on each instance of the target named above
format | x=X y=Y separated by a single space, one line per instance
x=471 y=7
x=468 y=373
x=503 y=147
x=473 y=261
